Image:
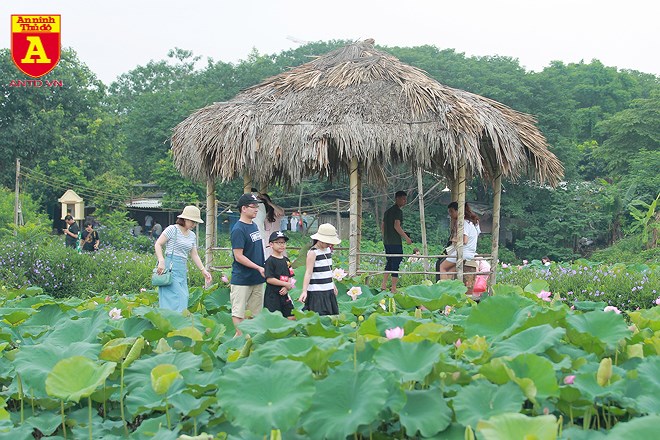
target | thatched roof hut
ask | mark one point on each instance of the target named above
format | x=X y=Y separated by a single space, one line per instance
x=357 y=110
x=361 y=102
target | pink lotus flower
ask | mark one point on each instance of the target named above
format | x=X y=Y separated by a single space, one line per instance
x=568 y=380
x=505 y=266
x=224 y=279
x=107 y=298
x=354 y=292
x=115 y=313
x=458 y=343
x=612 y=309
x=525 y=262
x=447 y=310
x=544 y=295
x=339 y=274
x=657 y=301
x=394 y=333
x=143 y=290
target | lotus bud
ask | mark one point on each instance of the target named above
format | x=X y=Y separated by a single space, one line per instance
x=418 y=313
x=469 y=433
x=604 y=372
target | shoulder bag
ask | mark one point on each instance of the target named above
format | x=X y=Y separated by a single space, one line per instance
x=165 y=278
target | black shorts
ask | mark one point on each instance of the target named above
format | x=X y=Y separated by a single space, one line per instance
x=393 y=263
x=275 y=302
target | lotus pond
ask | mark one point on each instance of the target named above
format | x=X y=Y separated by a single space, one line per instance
x=521 y=364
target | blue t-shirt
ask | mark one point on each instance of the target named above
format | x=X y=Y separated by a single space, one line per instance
x=247 y=237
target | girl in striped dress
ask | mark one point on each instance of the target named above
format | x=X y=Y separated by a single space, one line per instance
x=319 y=292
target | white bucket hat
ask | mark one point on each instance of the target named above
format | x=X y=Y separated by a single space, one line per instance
x=327 y=234
x=191 y=213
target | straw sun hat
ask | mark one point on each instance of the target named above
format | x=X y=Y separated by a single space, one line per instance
x=327 y=234
x=191 y=213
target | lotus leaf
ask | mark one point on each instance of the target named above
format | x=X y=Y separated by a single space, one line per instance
x=435 y=296
x=35 y=362
x=357 y=398
x=507 y=289
x=533 y=340
x=15 y=316
x=76 y=377
x=536 y=286
x=539 y=370
x=312 y=351
x=376 y=324
x=187 y=332
x=648 y=318
x=217 y=299
x=588 y=306
x=644 y=392
x=640 y=428
x=141 y=368
x=425 y=411
x=134 y=353
x=575 y=433
x=514 y=426
x=482 y=399
x=260 y=398
x=162 y=377
x=46 y=422
x=273 y=324
x=80 y=330
x=597 y=331
x=145 y=399
x=115 y=349
x=499 y=316
x=411 y=361
x=135 y=326
x=430 y=331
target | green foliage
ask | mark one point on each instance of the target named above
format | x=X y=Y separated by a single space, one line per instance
x=536 y=368
x=35 y=223
x=61 y=271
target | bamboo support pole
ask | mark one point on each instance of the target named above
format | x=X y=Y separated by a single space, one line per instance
x=460 y=220
x=353 y=231
x=422 y=218
x=338 y=218
x=495 y=235
x=211 y=222
x=359 y=213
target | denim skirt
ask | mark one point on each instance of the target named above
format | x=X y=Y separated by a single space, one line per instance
x=175 y=296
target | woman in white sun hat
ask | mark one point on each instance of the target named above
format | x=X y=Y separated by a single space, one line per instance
x=319 y=292
x=181 y=243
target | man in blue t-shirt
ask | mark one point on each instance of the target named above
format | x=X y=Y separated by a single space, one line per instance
x=247 y=270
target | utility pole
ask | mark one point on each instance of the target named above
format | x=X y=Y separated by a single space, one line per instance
x=17 y=201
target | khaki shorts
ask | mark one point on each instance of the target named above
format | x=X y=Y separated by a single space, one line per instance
x=246 y=297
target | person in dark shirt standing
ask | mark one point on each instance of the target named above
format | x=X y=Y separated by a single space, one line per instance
x=71 y=232
x=279 y=277
x=247 y=274
x=90 y=239
x=393 y=233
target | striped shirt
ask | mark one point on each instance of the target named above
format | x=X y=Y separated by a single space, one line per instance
x=321 y=280
x=182 y=244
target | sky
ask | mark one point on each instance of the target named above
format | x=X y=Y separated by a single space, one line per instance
x=114 y=36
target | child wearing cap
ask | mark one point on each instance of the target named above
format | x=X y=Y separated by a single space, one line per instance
x=279 y=277
x=319 y=292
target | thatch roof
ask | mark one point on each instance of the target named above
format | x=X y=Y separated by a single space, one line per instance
x=358 y=101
